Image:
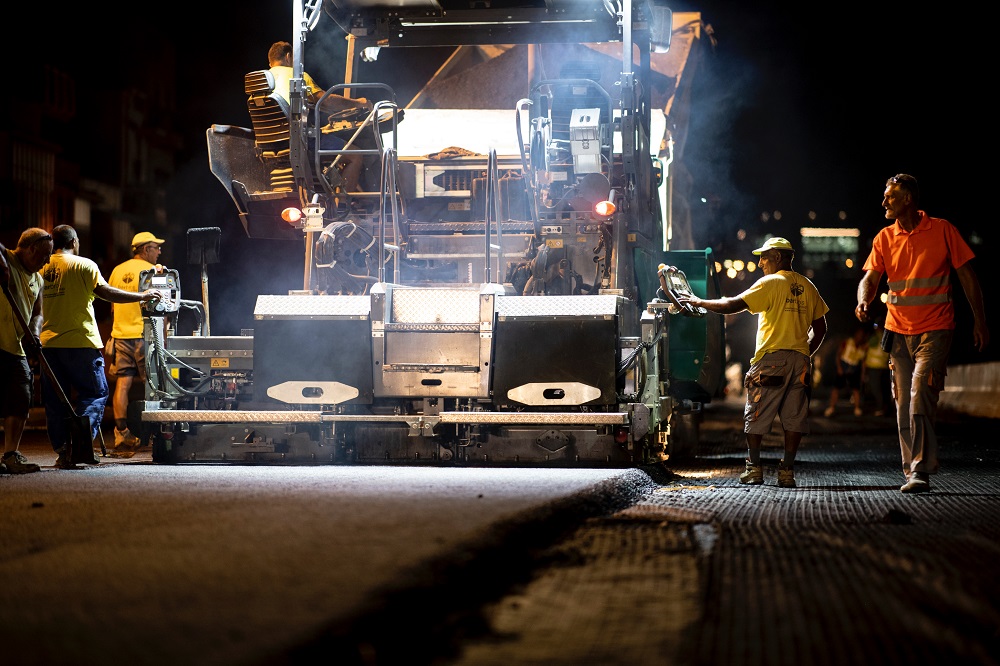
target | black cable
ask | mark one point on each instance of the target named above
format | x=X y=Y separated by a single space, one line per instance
x=630 y=360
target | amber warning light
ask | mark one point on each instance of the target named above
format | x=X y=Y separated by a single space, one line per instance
x=605 y=208
x=291 y=215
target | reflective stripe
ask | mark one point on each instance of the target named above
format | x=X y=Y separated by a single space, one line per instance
x=926 y=299
x=936 y=282
x=921 y=283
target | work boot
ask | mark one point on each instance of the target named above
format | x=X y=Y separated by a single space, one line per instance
x=63 y=462
x=753 y=475
x=16 y=463
x=125 y=444
x=918 y=482
x=786 y=476
x=121 y=452
x=125 y=438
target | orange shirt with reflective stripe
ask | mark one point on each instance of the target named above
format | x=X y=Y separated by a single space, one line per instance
x=917 y=265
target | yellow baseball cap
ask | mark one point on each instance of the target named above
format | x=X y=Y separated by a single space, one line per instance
x=145 y=237
x=776 y=243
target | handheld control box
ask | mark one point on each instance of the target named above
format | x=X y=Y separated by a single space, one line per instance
x=675 y=285
x=167 y=281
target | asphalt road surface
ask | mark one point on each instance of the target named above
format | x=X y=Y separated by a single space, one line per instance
x=137 y=563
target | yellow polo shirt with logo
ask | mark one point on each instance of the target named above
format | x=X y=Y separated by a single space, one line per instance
x=786 y=303
x=68 y=319
x=128 y=316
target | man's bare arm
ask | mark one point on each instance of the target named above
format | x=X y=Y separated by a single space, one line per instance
x=974 y=293
x=115 y=295
x=34 y=331
x=818 y=334
x=36 y=315
x=867 y=289
x=720 y=305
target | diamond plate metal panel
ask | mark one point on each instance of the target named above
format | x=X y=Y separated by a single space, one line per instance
x=309 y=306
x=229 y=416
x=557 y=306
x=436 y=328
x=435 y=306
x=536 y=418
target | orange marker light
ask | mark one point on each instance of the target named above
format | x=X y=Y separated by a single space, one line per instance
x=605 y=208
x=291 y=215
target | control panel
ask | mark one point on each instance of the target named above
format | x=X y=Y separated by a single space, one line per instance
x=675 y=285
x=168 y=282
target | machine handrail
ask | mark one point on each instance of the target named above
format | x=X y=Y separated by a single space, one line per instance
x=491 y=214
x=372 y=118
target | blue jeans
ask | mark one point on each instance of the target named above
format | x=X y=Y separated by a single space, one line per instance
x=80 y=373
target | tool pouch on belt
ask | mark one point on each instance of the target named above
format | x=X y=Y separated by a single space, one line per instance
x=763 y=381
x=886 y=343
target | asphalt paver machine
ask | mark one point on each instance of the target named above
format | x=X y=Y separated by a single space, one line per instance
x=487 y=294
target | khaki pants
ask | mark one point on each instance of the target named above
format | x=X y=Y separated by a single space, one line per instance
x=919 y=364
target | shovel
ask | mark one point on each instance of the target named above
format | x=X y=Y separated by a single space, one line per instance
x=81 y=441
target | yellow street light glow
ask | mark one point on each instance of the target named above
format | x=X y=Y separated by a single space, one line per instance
x=738 y=264
x=821 y=232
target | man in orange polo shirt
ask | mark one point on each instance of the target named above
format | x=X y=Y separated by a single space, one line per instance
x=917 y=254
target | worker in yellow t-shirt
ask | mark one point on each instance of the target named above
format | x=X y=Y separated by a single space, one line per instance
x=127 y=348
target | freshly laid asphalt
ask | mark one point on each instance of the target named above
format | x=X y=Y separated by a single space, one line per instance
x=843 y=569
x=132 y=562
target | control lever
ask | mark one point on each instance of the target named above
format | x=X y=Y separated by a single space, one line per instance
x=675 y=285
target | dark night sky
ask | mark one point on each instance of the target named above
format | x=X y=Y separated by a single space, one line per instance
x=803 y=112
x=815 y=111
x=795 y=110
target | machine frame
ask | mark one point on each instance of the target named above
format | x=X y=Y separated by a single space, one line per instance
x=479 y=307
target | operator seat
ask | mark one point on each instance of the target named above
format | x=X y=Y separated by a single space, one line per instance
x=269 y=115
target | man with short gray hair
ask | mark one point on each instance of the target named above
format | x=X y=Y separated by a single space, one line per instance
x=918 y=253
x=19 y=274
